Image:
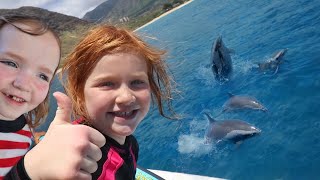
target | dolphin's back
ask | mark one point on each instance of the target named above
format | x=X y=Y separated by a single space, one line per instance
x=241 y=102
x=235 y=124
x=233 y=130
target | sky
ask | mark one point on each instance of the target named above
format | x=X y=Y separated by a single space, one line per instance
x=77 y=8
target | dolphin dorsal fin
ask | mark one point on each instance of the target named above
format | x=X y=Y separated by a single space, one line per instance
x=210 y=118
x=230 y=94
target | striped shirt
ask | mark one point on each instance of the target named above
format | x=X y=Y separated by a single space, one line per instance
x=15 y=141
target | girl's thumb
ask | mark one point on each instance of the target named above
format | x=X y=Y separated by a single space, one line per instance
x=63 y=113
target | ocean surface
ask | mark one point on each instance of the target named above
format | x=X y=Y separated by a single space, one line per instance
x=288 y=147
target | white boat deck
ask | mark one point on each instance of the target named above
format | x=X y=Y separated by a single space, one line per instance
x=179 y=176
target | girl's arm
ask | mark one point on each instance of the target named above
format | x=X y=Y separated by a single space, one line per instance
x=66 y=152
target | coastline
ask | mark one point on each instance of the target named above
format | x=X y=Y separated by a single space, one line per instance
x=152 y=21
x=164 y=14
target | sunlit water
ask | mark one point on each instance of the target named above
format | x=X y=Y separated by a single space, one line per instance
x=288 y=147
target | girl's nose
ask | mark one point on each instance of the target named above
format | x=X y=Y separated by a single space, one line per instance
x=22 y=82
x=125 y=97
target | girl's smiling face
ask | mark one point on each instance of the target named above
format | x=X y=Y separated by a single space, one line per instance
x=117 y=94
x=27 y=65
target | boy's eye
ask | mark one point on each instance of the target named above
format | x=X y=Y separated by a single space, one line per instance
x=44 y=77
x=9 y=63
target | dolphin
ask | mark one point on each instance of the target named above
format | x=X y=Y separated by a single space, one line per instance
x=239 y=102
x=233 y=130
x=221 y=62
x=242 y=102
x=274 y=62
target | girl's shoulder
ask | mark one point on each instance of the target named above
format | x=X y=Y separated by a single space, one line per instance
x=134 y=143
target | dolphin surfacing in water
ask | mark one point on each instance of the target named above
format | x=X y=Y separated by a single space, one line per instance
x=274 y=62
x=221 y=62
x=240 y=102
x=233 y=130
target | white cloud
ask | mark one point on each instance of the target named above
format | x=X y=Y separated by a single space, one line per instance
x=76 y=8
x=19 y=3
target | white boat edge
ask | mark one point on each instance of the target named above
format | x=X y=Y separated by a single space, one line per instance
x=167 y=175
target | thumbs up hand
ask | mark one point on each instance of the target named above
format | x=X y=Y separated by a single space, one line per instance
x=63 y=113
x=67 y=151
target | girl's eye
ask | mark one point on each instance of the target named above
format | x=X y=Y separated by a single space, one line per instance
x=109 y=84
x=10 y=63
x=44 y=77
x=136 y=82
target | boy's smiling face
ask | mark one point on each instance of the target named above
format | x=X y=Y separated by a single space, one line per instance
x=117 y=94
x=27 y=64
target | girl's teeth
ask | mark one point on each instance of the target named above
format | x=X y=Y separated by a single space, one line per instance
x=15 y=98
x=124 y=114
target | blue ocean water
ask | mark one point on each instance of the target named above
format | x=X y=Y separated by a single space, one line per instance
x=288 y=147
